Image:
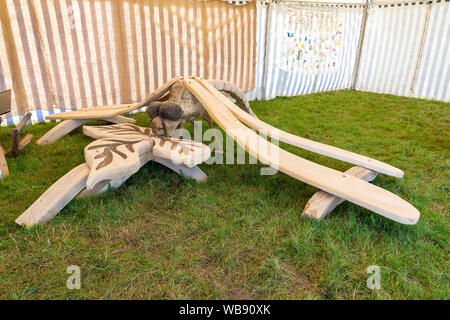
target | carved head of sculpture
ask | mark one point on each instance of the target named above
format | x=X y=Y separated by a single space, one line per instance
x=166 y=117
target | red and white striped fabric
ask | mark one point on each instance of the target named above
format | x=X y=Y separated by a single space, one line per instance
x=71 y=54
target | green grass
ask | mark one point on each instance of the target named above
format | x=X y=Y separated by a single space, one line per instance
x=240 y=235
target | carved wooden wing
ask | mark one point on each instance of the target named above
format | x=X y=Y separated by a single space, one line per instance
x=123 y=131
x=115 y=159
x=181 y=152
x=187 y=153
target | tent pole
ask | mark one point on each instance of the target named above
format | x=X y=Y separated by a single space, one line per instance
x=266 y=44
x=422 y=42
x=13 y=60
x=360 y=44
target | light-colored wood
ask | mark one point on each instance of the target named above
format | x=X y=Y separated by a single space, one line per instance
x=193 y=173
x=102 y=112
x=181 y=152
x=91 y=113
x=67 y=126
x=120 y=151
x=303 y=143
x=60 y=130
x=56 y=197
x=4 y=171
x=158 y=93
x=332 y=181
x=322 y=203
x=111 y=159
x=25 y=141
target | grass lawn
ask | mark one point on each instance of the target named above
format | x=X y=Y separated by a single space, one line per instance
x=240 y=235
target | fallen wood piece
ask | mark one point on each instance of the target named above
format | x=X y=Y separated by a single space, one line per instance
x=323 y=203
x=342 y=185
x=67 y=126
x=56 y=197
x=25 y=141
x=18 y=145
x=4 y=171
x=316 y=147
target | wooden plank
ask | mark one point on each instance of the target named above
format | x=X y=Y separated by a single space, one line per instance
x=67 y=126
x=158 y=93
x=56 y=197
x=316 y=147
x=60 y=130
x=322 y=203
x=332 y=181
x=25 y=141
x=4 y=170
x=102 y=112
x=94 y=113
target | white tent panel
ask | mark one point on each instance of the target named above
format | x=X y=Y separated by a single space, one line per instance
x=391 y=49
x=434 y=73
x=257 y=93
x=310 y=49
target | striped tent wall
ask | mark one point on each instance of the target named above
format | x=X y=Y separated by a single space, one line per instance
x=391 y=49
x=257 y=93
x=433 y=75
x=280 y=82
x=71 y=54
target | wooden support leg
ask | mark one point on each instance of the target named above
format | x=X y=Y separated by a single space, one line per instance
x=322 y=203
x=4 y=171
x=67 y=126
x=194 y=173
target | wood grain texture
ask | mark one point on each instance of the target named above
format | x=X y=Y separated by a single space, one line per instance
x=102 y=112
x=56 y=197
x=193 y=173
x=181 y=152
x=332 y=181
x=67 y=126
x=95 y=113
x=316 y=147
x=323 y=203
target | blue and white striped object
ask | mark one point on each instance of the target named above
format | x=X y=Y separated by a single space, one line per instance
x=391 y=59
x=290 y=82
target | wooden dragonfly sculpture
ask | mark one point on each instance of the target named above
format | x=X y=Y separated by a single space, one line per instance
x=118 y=153
x=122 y=149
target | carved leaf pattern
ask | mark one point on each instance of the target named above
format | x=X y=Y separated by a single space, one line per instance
x=110 y=147
x=120 y=150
